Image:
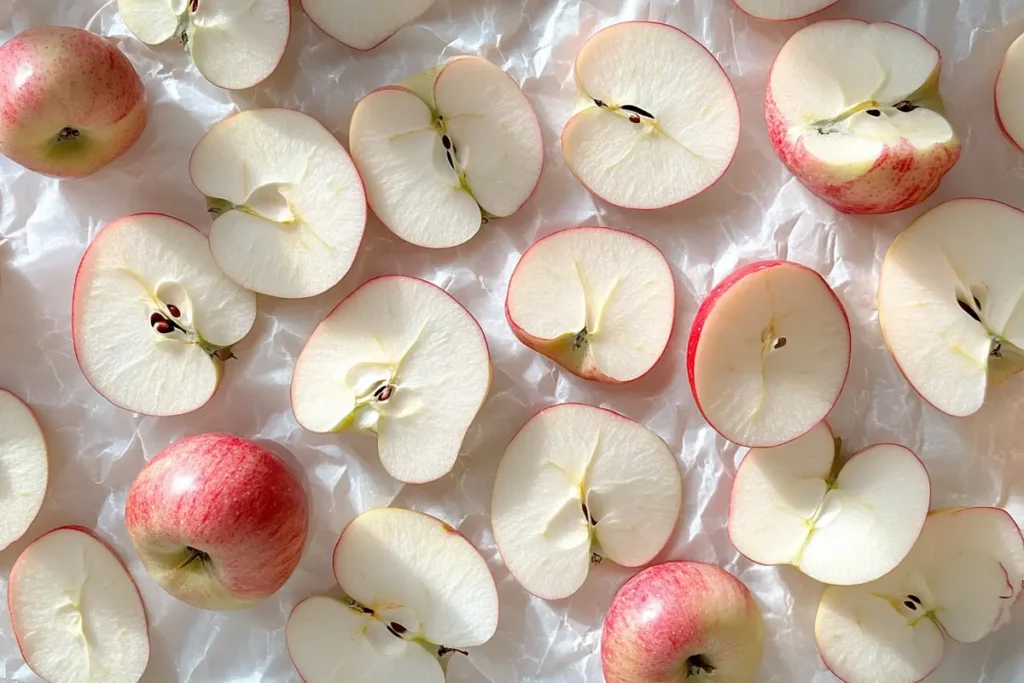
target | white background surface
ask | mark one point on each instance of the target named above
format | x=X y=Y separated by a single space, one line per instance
x=757 y=211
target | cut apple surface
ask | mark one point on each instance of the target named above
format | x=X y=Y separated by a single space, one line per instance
x=235 y=44
x=402 y=359
x=854 y=111
x=768 y=354
x=949 y=302
x=364 y=24
x=962 y=577
x=599 y=302
x=289 y=203
x=76 y=611
x=1010 y=93
x=658 y=120
x=794 y=505
x=783 y=10
x=23 y=467
x=577 y=483
x=153 y=316
x=440 y=160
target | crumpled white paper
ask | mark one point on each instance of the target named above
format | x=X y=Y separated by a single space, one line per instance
x=756 y=211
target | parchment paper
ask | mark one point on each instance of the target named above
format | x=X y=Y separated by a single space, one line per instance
x=756 y=211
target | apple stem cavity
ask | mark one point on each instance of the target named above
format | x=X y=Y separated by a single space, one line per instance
x=697 y=666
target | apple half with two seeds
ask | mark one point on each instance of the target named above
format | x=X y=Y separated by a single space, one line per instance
x=599 y=302
x=658 y=121
x=289 y=203
x=364 y=24
x=1010 y=94
x=446 y=151
x=153 y=318
x=962 y=578
x=235 y=44
x=841 y=523
x=76 y=612
x=783 y=10
x=416 y=590
x=854 y=111
x=949 y=302
x=24 y=467
x=768 y=354
x=577 y=484
x=402 y=359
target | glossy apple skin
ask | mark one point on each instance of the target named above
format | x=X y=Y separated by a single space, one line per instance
x=666 y=616
x=229 y=498
x=70 y=101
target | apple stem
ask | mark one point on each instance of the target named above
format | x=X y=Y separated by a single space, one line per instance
x=68 y=133
x=195 y=555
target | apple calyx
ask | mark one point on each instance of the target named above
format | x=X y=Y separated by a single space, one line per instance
x=170 y=322
x=697 y=666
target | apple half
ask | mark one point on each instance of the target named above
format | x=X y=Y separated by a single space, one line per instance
x=949 y=297
x=841 y=523
x=783 y=10
x=447 y=151
x=578 y=484
x=76 y=612
x=597 y=301
x=1010 y=94
x=289 y=204
x=657 y=122
x=153 y=318
x=402 y=359
x=364 y=24
x=23 y=466
x=768 y=354
x=235 y=44
x=961 y=579
x=417 y=590
x=854 y=111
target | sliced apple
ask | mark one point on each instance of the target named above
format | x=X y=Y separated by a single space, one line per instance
x=364 y=24
x=289 y=203
x=153 y=317
x=658 y=120
x=783 y=10
x=401 y=359
x=597 y=301
x=949 y=302
x=768 y=354
x=578 y=483
x=76 y=611
x=438 y=163
x=23 y=468
x=839 y=523
x=235 y=44
x=1010 y=93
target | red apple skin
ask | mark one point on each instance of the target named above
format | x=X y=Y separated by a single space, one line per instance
x=803 y=16
x=58 y=77
x=229 y=498
x=672 y=612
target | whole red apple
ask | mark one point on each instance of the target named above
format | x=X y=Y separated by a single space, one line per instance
x=679 y=621
x=218 y=522
x=70 y=102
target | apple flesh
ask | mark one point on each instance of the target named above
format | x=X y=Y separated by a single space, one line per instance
x=364 y=24
x=76 y=612
x=289 y=205
x=235 y=44
x=153 y=318
x=658 y=121
x=841 y=523
x=23 y=467
x=219 y=522
x=768 y=354
x=71 y=101
x=599 y=302
x=854 y=111
x=1010 y=94
x=448 y=150
x=681 y=621
x=577 y=484
x=783 y=10
x=948 y=298
x=401 y=359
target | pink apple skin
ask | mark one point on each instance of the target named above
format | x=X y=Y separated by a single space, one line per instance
x=70 y=101
x=235 y=503
x=680 y=618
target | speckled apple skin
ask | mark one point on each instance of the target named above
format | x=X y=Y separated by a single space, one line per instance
x=56 y=77
x=900 y=178
x=670 y=612
x=229 y=498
